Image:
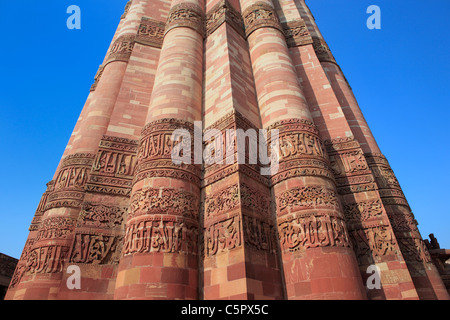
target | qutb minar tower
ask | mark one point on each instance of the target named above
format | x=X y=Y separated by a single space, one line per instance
x=140 y=226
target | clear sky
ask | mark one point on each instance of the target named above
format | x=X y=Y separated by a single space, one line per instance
x=399 y=74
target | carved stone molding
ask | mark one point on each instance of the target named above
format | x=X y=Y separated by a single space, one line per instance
x=414 y=250
x=322 y=50
x=186 y=15
x=113 y=167
x=121 y=49
x=296 y=33
x=155 y=152
x=151 y=32
x=47 y=259
x=260 y=15
x=223 y=236
x=55 y=228
x=237 y=195
x=164 y=201
x=374 y=241
x=301 y=151
x=306 y=198
x=98 y=215
x=301 y=233
x=159 y=234
x=363 y=211
x=92 y=248
x=390 y=190
x=224 y=12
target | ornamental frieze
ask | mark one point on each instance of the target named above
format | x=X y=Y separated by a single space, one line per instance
x=306 y=197
x=296 y=33
x=186 y=15
x=301 y=233
x=414 y=250
x=260 y=15
x=156 y=142
x=161 y=235
x=375 y=241
x=363 y=211
x=237 y=195
x=222 y=236
x=403 y=221
x=55 y=228
x=121 y=49
x=322 y=50
x=47 y=259
x=224 y=12
x=341 y=144
x=259 y=234
x=96 y=249
x=345 y=163
x=164 y=201
x=151 y=32
x=114 y=163
x=101 y=216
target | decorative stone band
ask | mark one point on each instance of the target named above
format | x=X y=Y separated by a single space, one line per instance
x=119 y=144
x=230 y=127
x=296 y=33
x=69 y=185
x=301 y=151
x=161 y=234
x=121 y=49
x=236 y=196
x=151 y=33
x=390 y=190
x=114 y=165
x=127 y=9
x=55 y=228
x=349 y=163
x=341 y=144
x=155 y=152
x=298 y=233
x=97 y=215
x=414 y=250
x=46 y=259
x=375 y=241
x=94 y=248
x=363 y=211
x=235 y=231
x=186 y=15
x=322 y=50
x=310 y=197
x=349 y=166
x=221 y=13
x=260 y=15
x=215 y=173
x=81 y=159
x=41 y=207
x=164 y=201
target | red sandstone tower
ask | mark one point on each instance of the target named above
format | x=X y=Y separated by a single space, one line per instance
x=140 y=226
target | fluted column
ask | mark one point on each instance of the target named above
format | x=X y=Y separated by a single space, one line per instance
x=365 y=215
x=160 y=251
x=424 y=274
x=44 y=272
x=318 y=261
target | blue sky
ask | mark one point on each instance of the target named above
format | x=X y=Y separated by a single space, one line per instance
x=399 y=74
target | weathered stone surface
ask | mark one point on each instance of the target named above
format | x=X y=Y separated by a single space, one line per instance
x=138 y=225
